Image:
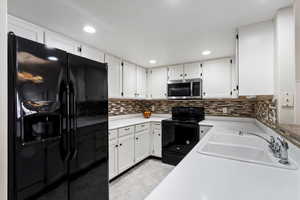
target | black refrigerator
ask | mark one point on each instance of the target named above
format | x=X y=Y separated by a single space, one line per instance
x=58 y=124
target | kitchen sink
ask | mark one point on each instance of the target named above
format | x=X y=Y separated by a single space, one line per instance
x=242 y=148
x=244 y=140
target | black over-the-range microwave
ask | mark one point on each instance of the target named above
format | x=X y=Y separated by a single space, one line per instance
x=187 y=89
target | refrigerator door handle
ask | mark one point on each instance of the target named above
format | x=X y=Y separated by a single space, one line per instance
x=67 y=125
x=74 y=126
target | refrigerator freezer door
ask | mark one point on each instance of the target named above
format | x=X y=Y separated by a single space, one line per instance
x=37 y=121
x=89 y=129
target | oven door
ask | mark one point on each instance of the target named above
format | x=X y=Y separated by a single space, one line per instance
x=182 y=89
x=178 y=139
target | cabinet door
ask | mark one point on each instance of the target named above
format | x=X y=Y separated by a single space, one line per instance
x=92 y=53
x=129 y=80
x=256 y=59
x=157 y=83
x=126 y=153
x=114 y=76
x=24 y=29
x=141 y=82
x=142 y=145
x=192 y=71
x=157 y=143
x=175 y=72
x=113 y=158
x=217 y=77
x=60 y=42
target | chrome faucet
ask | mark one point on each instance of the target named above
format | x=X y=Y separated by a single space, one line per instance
x=279 y=149
x=284 y=156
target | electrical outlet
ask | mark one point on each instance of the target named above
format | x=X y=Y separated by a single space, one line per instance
x=288 y=100
x=152 y=108
x=225 y=110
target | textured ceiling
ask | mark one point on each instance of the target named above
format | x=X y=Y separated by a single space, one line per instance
x=170 y=31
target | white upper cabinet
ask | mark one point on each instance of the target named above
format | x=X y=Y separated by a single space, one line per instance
x=256 y=59
x=60 y=42
x=175 y=72
x=129 y=80
x=157 y=83
x=192 y=71
x=186 y=71
x=217 y=78
x=114 y=76
x=25 y=29
x=141 y=82
x=92 y=53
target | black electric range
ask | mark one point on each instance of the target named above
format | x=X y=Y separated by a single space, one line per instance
x=180 y=133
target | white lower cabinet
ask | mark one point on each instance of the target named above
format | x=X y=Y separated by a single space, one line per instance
x=113 y=158
x=155 y=146
x=125 y=153
x=142 y=142
x=130 y=145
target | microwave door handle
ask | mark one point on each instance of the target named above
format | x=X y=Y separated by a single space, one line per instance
x=191 y=88
x=201 y=88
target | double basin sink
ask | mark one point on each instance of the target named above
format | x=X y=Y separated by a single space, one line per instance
x=245 y=148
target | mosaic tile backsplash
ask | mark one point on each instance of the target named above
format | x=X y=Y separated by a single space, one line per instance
x=263 y=107
x=233 y=107
x=266 y=111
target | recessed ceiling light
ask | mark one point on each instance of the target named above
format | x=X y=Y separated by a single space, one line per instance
x=89 y=29
x=52 y=58
x=206 y=52
x=152 y=61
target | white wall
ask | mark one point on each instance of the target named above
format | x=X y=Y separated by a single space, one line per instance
x=285 y=76
x=3 y=101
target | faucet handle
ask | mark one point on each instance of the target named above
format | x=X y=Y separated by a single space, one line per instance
x=283 y=142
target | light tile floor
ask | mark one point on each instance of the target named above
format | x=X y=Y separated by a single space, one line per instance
x=138 y=182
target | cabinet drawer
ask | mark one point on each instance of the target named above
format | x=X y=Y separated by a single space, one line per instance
x=156 y=126
x=113 y=134
x=142 y=127
x=126 y=131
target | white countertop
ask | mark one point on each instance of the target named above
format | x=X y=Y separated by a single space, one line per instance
x=130 y=120
x=201 y=177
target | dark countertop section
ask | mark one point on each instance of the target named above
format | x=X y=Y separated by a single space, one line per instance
x=291 y=131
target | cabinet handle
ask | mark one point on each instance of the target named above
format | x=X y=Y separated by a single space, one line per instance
x=127 y=129
x=185 y=74
x=143 y=125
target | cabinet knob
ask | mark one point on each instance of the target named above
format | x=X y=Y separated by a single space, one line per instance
x=120 y=144
x=137 y=138
x=158 y=134
x=117 y=146
x=202 y=131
